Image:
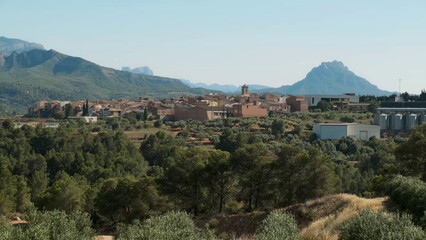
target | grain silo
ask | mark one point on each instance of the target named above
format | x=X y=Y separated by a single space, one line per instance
x=383 y=121
x=396 y=123
x=411 y=121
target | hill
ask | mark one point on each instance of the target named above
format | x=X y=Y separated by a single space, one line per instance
x=330 y=78
x=10 y=45
x=317 y=219
x=37 y=75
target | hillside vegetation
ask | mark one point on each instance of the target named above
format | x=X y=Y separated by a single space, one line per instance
x=28 y=77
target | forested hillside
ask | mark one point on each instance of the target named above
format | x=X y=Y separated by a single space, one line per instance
x=253 y=165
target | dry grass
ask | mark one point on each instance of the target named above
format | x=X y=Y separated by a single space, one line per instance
x=323 y=216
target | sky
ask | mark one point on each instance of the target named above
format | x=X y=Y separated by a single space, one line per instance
x=270 y=42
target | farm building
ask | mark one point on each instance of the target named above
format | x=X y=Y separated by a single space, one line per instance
x=339 y=130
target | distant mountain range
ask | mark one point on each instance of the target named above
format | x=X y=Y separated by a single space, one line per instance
x=227 y=88
x=10 y=45
x=139 y=70
x=330 y=78
x=28 y=74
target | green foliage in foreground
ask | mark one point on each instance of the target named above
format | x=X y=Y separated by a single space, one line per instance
x=278 y=226
x=49 y=225
x=369 y=225
x=409 y=193
x=170 y=226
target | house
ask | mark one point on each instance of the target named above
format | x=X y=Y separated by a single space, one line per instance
x=270 y=97
x=278 y=107
x=200 y=113
x=338 y=130
x=87 y=119
x=248 y=110
x=297 y=103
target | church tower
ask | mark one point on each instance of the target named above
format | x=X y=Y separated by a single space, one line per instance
x=244 y=90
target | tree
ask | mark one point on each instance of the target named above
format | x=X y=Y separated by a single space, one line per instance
x=405 y=96
x=252 y=162
x=145 y=114
x=86 y=108
x=277 y=226
x=227 y=141
x=65 y=194
x=302 y=175
x=422 y=96
x=324 y=106
x=412 y=154
x=160 y=149
x=184 y=179
x=278 y=127
x=220 y=176
x=128 y=198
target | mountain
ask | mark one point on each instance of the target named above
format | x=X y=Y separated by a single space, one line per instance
x=10 y=45
x=330 y=78
x=139 y=70
x=227 y=88
x=28 y=77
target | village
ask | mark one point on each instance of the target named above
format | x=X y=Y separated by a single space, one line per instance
x=202 y=108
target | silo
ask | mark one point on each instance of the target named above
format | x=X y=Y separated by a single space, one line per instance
x=411 y=121
x=377 y=118
x=397 y=122
x=422 y=118
x=383 y=121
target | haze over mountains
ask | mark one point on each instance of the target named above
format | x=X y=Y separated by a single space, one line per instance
x=9 y=45
x=139 y=70
x=28 y=74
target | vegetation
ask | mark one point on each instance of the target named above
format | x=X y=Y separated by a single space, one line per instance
x=278 y=226
x=370 y=225
x=121 y=170
x=49 y=225
x=171 y=226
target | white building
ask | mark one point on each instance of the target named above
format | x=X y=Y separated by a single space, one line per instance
x=339 y=130
x=313 y=100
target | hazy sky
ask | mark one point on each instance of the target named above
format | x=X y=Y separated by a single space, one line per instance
x=256 y=42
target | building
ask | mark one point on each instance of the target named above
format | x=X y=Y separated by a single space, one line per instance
x=200 y=113
x=278 y=107
x=244 y=91
x=398 y=119
x=297 y=103
x=248 y=110
x=355 y=107
x=338 y=130
x=87 y=119
x=313 y=100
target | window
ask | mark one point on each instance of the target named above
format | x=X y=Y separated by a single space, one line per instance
x=313 y=100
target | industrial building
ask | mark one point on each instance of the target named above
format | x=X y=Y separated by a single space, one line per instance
x=398 y=119
x=338 y=130
x=313 y=100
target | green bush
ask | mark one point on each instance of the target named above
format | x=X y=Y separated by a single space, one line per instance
x=409 y=194
x=369 y=225
x=170 y=226
x=49 y=225
x=278 y=226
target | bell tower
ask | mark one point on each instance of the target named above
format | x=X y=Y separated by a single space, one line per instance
x=244 y=90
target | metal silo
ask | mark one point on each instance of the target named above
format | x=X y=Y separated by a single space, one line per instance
x=396 y=122
x=411 y=121
x=383 y=121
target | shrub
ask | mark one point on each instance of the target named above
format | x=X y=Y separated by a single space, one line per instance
x=170 y=226
x=409 y=193
x=371 y=225
x=278 y=226
x=50 y=225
